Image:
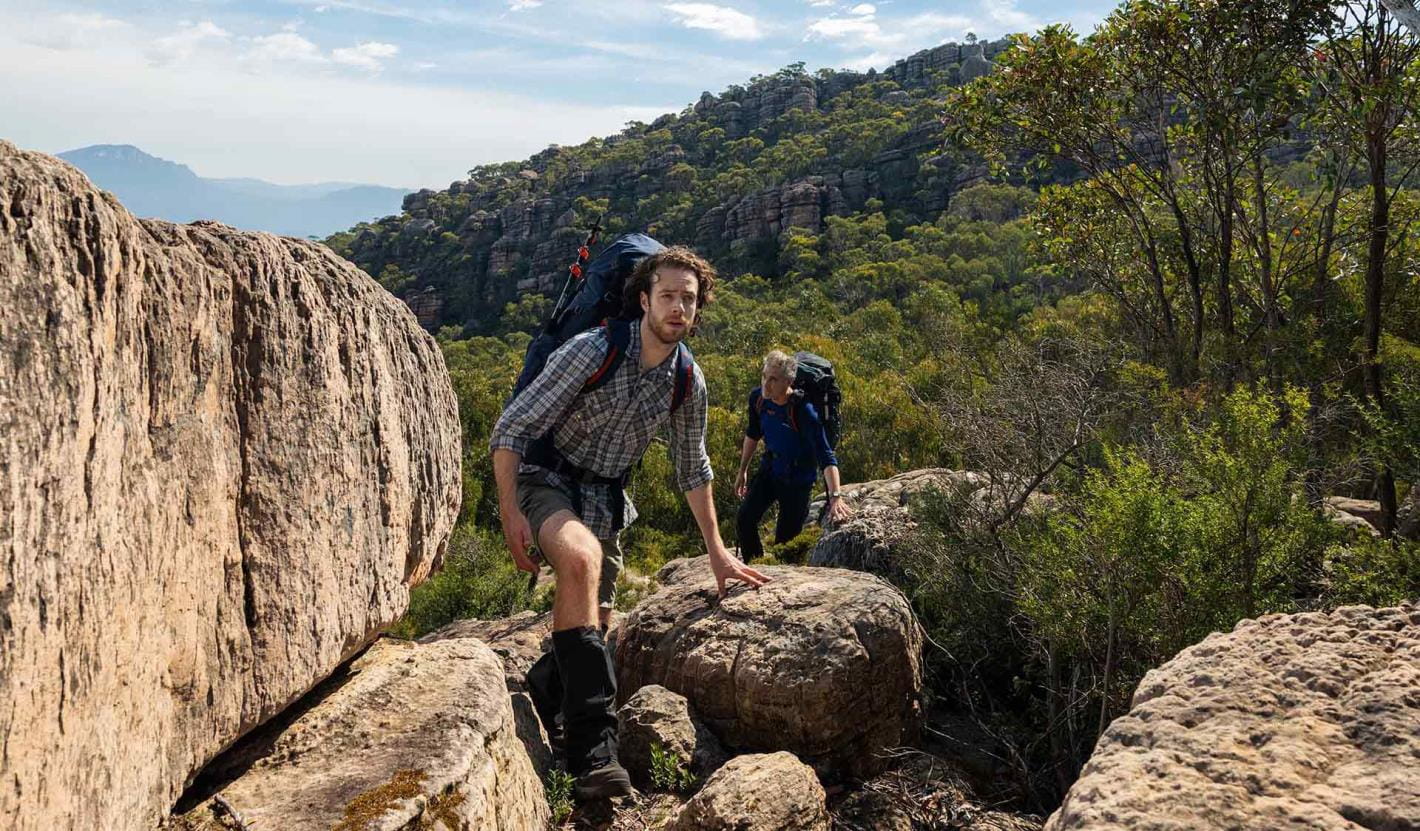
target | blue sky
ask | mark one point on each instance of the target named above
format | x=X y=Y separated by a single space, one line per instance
x=414 y=92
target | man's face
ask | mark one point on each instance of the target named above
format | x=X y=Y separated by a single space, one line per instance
x=776 y=387
x=670 y=307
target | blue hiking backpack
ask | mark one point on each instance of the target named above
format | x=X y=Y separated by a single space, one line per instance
x=595 y=300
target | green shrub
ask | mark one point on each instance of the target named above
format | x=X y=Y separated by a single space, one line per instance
x=557 y=784
x=1371 y=571
x=667 y=772
x=478 y=580
x=796 y=550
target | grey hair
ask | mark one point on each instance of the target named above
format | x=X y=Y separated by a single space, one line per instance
x=781 y=364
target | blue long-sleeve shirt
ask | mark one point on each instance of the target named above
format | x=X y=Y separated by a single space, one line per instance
x=794 y=454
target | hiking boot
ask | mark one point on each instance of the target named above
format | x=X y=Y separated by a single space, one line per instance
x=609 y=780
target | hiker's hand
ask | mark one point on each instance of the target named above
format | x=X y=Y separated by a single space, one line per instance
x=741 y=484
x=838 y=510
x=518 y=534
x=727 y=566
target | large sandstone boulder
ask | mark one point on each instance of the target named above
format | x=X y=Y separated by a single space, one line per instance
x=1308 y=721
x=764 y=792
x=418 y=736
x=227 y=457
x=823 y=662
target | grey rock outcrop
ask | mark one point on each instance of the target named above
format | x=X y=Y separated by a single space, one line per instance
x=1362 y=515
x=784 y=667
x=763 y=792
x=974 y=63
x=870 y=540
x=1408 y=517
x=1308 y=721
x=228 y=457
x=420 y=736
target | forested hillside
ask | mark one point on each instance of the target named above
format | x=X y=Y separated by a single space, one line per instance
x=1163 y=274
x=729 y=175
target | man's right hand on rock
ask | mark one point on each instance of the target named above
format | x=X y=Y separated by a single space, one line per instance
x=518 y=534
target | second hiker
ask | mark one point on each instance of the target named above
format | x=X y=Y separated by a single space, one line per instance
x=796 y=446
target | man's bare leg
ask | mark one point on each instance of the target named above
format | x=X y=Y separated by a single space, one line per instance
x=576 y=558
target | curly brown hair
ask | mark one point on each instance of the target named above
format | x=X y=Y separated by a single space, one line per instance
x=644 y=276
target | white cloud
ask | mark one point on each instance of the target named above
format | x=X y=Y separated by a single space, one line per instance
x=187 y=41
x=866 y=9
x=284 y=47
x=1004 y=13
x=874 y=60
x=897 y=37
x=523 y=5
x=939 y=25
x=298 y=123
x=723 y=20
x=839 y=27
x=70 y=31
x=820 y=2
x=368 y=55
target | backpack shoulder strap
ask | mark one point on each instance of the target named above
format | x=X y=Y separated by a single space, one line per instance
x=618 y=339
x=684 y=376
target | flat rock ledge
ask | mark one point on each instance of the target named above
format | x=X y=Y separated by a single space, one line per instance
x=421 y=736
x=1307 y=721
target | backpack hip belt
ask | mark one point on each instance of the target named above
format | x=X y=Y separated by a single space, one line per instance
x=544 y=454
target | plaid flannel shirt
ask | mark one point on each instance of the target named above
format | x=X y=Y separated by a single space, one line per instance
x=606 y=431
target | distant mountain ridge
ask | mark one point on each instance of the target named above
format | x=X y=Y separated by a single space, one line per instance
x=150 y=186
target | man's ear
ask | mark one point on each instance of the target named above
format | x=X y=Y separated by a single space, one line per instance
x=645 y=302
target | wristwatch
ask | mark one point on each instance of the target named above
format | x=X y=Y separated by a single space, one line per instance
x=834 y=494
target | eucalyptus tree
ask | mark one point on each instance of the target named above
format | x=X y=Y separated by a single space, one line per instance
x=1366 y=72
x=1170 y=108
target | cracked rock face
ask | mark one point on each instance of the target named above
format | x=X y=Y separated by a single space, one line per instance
x=420 y=736
x=227 y=457
x=762 y=792
x=1308 y=721
x=825 y=663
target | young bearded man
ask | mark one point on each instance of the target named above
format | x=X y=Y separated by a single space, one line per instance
x=561 y=457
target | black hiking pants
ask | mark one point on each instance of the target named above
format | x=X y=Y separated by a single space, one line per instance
x=765 y=490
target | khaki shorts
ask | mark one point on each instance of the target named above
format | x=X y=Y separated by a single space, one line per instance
x=539 y=500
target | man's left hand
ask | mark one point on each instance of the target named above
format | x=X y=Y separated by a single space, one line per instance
x=837 y=510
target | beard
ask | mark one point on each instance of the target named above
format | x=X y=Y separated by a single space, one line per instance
x=665 y=332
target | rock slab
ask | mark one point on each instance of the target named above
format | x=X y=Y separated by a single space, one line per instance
x=226 y=458
x=826 y=663
x=420 y=736
x=1308 y=721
